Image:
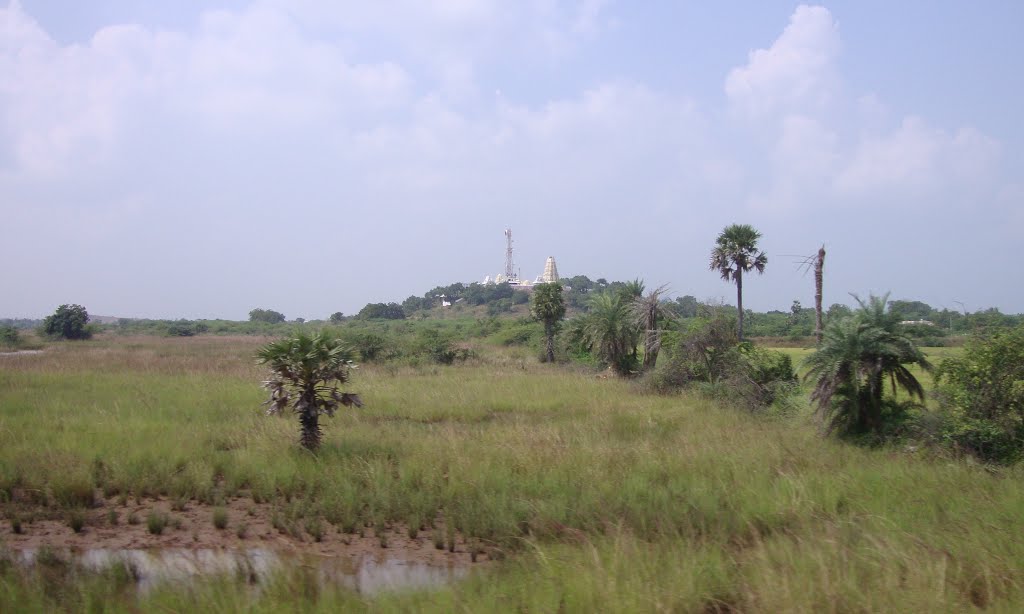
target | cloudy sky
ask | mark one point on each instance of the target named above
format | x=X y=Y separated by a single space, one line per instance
x=199 y=159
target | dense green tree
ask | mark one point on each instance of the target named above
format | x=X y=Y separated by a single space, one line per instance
x=337 y=317
x=306 y=372
x=837 y=311
x=736 y=253
x=381 y=311
x=267 y=316
x=548 y=306
x=687 y=306
x=982 y=395
x=911 y=310
x=67 y=322
x=851 y=365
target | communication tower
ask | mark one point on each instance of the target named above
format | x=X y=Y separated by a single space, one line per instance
x=510 y=271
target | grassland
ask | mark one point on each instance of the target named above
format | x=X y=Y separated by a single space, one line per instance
x=594 y=496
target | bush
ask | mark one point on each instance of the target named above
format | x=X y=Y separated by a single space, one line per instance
x=68 y=322
x=220 y=518
x=156 y=521
x=184 y=328
x=981 y=395
x=9 y=337
x=709 y=358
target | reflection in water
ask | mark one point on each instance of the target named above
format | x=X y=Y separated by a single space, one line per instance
x=367 y=574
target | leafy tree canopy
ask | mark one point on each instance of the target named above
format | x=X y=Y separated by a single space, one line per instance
x=381 y=311
x=268 y=316
x=68 y=322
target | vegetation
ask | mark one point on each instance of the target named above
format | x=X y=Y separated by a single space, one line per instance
x=306 y=371
x=857 y=357
x=266 y=316
x=982 y=396
x=609 y=331
x=68 y=322
x=599 y=498
x=381 y=311
x=646 y=312
x=9 y=337
x=709 y=357
x=548 y=306
x=736 y=253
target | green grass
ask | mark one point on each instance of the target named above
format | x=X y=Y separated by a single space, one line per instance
x=598 y=497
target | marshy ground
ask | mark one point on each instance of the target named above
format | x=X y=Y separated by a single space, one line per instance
x=584 y=493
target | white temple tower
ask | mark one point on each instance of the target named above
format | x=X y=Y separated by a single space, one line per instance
x=550 y=271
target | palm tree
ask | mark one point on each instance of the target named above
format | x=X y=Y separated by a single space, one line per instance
x=856 y=356
x=646 y=311
x=306 y=371
x=610 y=330
x=548 y=306
x=736 y=253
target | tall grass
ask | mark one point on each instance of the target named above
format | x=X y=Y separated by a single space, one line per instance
x=598 y=496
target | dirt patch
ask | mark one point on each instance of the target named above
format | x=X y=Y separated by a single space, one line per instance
x=247 y=525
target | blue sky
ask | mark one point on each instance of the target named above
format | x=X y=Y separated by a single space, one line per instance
x=199 y=159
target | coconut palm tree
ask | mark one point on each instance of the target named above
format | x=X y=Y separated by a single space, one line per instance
x=548 y=306
x=855 y=358
x=610 y=330
x=306 y=371
x=646 y=311
x=736 y=253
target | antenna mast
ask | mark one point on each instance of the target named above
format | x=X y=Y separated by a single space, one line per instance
x=509 y=265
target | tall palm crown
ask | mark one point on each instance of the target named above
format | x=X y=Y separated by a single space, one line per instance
x=736 y=253
x=306 y=371
x=850 y=368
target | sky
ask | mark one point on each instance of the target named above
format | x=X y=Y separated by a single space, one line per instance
x=200 y=159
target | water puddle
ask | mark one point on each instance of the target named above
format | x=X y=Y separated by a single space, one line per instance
x=365 y=574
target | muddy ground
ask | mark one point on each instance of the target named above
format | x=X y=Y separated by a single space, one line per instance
x=122 y=525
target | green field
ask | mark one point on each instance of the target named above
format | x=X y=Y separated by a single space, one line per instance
x=589 y=494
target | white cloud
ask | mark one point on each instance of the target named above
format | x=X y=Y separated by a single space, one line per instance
x=826 y=146
x=917 y=158
x=64 y=106
x=796 y=74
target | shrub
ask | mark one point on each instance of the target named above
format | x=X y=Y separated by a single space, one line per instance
x=981 y=395
x=185 y=328
x=437 y=346
x=156 y=522
x=709 y=357
x=76 y=520
x=9 y=336
x=220 y=518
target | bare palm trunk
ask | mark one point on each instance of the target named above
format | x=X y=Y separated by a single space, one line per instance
x=309 y=419
x=819 y=265
x=652 y=344
x=739 y=300
x=549 y=339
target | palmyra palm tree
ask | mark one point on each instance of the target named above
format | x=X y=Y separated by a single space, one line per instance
x=548 y=306
x=736 y=253
x=306 y=371
x=856 y=356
